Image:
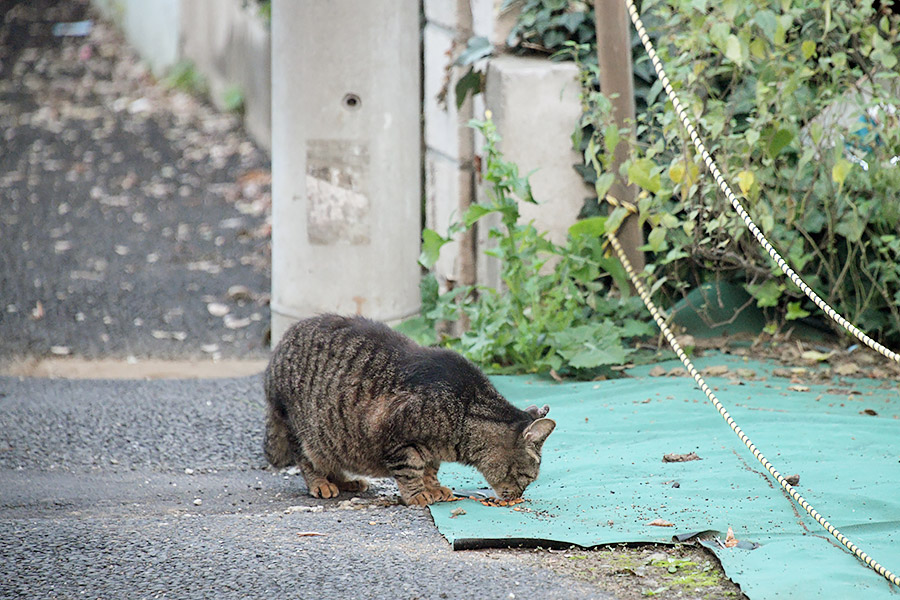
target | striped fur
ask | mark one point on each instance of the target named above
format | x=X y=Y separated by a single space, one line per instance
x=349 y=396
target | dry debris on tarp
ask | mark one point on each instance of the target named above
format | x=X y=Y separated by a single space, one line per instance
x=602 y=480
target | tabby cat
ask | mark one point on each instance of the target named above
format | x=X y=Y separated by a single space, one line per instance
x=349 y=396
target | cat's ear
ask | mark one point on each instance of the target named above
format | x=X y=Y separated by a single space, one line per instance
x=538 y=431
x=537 y=413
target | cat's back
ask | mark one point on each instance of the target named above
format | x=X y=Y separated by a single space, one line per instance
x=333 y=350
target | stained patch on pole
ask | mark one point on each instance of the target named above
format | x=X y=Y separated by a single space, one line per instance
x=337 y=207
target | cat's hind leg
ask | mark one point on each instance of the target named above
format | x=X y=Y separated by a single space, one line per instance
x=279 y=446
x=348 y=484
x=317 y=481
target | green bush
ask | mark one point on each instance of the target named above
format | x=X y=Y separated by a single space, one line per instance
x=767 y=82
x=566 y=318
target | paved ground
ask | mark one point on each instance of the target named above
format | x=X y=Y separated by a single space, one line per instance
x=133 y=224
x=127 y=489
x=133 y=217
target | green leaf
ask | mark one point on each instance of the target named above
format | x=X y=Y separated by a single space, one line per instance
x=733 y=51
x=766 y=294
x=808 y=48
x=746 y=179
x=615 y=218
x=840 y=170
x=778 y=141
x=420 y=329
x=477 y=47
x=471 y=82
x=718 y=35
x=475 y=212
x=767 y=22
x=851 y=226
x=603 y=183
x=590 y=346
x=591 y=355
x=657 y=239
x=644 y=173
x=432 y=242
x=676 y=172
x=593 y=227
x=795 y=312
x=611 y=138
x=233 y=99
x=634 y=328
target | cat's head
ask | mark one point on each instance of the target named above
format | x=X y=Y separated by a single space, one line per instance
x=510 y=469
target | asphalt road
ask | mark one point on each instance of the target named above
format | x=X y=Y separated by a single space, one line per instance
x=158 y=489
x=134 y=224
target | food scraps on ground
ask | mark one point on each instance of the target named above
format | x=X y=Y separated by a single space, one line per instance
x=680 y=457
x=499 y=502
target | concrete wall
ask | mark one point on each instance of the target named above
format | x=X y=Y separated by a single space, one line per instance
x=227 y=41
x=231 y=45
x=151 y=27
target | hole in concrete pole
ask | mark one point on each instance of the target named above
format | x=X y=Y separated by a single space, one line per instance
x=352 y=101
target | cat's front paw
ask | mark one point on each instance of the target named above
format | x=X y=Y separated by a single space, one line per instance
x=322 y=488
x=441 y=493
x=429 y=496
x=423 y=498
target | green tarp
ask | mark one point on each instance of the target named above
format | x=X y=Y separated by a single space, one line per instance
x=603 y=479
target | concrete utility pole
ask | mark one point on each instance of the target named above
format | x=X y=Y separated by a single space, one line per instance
x=346 y=159
x=616 y=79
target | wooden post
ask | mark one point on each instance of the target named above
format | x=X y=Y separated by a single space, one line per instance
x=616 y=80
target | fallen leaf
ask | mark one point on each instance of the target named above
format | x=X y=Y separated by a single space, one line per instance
x=217 y=309
x=816 y=355
x=730 y=541
x=257 y=176
x=793 y=479
x=309 y=533
x=660 y=523
x=798 y=388
x=37 y=312
x=179 y=336
x=456 y=512
x=869 y=412
x=232 y=322
x=555 y=376
x=239 y=292
x=848 y=368
x=669 y=458
x=715 y=370
x=657 y=371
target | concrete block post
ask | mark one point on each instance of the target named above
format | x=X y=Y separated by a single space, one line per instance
x=346 y=164
x=536 y=104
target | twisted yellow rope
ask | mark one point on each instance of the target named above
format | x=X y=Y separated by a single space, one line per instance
x=670 y=337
